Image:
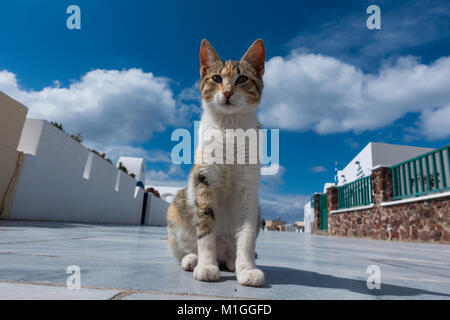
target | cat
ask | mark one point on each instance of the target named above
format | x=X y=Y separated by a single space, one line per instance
x=216 y=219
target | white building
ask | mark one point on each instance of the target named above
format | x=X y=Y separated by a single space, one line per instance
x=308 y=217
x=375 y=154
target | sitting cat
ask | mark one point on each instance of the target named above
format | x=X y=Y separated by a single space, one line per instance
x=216 y=219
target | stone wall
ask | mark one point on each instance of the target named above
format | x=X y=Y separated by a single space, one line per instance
x=422 y=220
x=427 y=220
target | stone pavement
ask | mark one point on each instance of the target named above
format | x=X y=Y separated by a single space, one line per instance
x=133 y=262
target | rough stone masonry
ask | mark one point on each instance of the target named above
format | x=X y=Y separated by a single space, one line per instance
x=422 y=220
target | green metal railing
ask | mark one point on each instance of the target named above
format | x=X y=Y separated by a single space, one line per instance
x=323 y=212
x=424 y=174
x=356 y=193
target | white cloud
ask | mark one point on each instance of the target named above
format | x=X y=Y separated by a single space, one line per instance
x=109 y=107
x=352 y=143
x=311 y=91
x=176 y=171
x=173 y=177
x=345 y=35
x=273 y=181
x=289 y=207
x=318 y=169
x=435 y=124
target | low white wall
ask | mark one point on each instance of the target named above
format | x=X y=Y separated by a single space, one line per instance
x=156 y=211
x=62 y=180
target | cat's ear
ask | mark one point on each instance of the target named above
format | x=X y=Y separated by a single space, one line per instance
x=256 y=57
x=208 y=56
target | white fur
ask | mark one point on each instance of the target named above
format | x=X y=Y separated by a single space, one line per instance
x=235 y=206
x=235 y=190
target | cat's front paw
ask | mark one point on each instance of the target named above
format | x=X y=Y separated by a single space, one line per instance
x=207 y=272
x=189 y=262
x=251 y=277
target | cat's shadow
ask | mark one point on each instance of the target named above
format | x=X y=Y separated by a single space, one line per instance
x=288 y=276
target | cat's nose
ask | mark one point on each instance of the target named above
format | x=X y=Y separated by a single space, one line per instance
x=227 y=94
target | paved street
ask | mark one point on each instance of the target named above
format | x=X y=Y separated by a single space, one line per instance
x=131 y=262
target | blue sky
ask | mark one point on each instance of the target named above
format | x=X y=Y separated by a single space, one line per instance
x=127 y=78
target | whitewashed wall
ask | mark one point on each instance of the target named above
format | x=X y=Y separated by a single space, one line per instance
x=375 y=154
x=156 y=210
x=308 y=217
x=62 y=180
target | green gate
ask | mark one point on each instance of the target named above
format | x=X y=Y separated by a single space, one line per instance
x=323 y=212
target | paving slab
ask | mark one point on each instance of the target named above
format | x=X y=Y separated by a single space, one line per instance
x=18 y=291
x=135 y=262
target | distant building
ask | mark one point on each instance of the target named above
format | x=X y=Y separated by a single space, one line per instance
x=375 y=154
x=308 y=214
x=275 y=225
x=299 y=226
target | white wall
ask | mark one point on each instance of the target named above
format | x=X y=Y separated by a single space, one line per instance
x=156 y=211
x=354 y=170
x=390 y=154
x=62 y=180
x=375 y=154
x=308 y=217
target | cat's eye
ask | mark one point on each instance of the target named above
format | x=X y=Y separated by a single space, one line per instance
x=217 y=78
x=241 y=79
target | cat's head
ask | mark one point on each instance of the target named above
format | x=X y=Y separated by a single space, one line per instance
x=232 y=87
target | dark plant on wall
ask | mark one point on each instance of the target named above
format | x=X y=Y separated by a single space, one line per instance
x=58 y=125
x=101 y=155
x=123 y=168
x=77 y=137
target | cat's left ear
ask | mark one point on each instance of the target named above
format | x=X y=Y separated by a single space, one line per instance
x=256 y=57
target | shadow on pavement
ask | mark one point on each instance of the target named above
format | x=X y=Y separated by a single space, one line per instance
x=288 y=276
